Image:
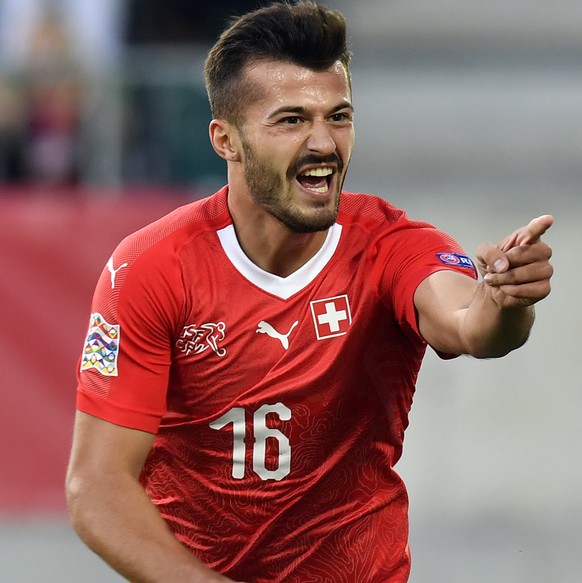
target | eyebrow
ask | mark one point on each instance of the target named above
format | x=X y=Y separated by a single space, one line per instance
x=304 y=111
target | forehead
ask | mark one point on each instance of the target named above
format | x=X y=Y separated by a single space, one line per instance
x=281 y=84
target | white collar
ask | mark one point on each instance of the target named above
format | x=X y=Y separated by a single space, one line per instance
x=282 y=287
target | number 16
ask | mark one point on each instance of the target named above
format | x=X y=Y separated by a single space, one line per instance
x=237 y=416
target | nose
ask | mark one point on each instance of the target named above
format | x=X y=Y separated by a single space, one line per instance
x=320 y=139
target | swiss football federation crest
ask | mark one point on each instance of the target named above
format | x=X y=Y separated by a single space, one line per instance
x=198 y=339
x=331 y=317
x=101 y=347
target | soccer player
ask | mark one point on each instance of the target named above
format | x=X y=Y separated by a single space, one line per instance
x=251 y=357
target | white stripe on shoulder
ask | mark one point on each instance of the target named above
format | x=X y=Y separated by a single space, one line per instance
x=283 y=287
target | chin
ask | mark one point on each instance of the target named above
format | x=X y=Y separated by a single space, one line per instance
x=309 y=224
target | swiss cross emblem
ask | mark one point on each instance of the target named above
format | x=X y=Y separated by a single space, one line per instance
x=331 y=317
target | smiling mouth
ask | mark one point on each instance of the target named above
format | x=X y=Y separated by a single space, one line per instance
x=316 y=180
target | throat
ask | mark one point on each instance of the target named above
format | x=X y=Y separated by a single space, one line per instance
x=288 y=257
x=294 y=255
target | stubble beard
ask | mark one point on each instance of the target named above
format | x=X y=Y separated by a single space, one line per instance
x=267 y=189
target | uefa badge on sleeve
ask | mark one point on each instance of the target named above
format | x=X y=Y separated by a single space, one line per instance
x=101 y=347
x=457 y=260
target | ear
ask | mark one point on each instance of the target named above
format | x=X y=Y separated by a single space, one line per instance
x=224 y=140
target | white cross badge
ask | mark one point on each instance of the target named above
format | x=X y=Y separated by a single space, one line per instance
x=331 y=317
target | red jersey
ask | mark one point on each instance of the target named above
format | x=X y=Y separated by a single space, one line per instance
x=279 y=404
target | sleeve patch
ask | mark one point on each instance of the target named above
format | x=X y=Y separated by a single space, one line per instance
x=101 y=347
x=456 y=259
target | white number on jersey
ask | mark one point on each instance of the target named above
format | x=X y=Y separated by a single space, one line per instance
x=260 y=433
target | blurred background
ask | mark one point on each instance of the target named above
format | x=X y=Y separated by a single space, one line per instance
x=469 y=115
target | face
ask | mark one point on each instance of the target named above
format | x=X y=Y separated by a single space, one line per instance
x=297 y=140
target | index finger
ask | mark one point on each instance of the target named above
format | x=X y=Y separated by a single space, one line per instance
x=530 y=233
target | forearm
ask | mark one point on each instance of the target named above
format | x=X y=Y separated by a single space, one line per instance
x=489 y=331
x=486 y=320
x=116 y=519
x=516 y=274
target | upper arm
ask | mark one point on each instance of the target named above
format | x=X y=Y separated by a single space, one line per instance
x=103 y=448
x=441 y=301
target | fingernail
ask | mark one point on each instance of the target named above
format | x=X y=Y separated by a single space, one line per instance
x=499 y=265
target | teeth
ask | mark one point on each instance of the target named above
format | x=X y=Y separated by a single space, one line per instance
x=317 y=172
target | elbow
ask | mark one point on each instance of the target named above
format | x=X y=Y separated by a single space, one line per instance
x=74 y=499
x=76 y=494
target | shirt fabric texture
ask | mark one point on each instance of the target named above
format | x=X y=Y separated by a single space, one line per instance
x=279 y=404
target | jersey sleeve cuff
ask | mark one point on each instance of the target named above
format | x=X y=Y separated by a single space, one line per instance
x=114 y=413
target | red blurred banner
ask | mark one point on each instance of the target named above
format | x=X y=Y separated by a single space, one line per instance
x=53 y=246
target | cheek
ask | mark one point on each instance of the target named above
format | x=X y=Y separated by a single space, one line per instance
x=345 y=142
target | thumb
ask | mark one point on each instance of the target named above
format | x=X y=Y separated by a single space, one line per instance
x=491 y=259
x=529 y=234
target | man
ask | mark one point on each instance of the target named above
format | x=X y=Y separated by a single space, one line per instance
x=251 y=357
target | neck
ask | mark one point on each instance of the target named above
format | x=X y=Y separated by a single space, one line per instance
x=267 y=242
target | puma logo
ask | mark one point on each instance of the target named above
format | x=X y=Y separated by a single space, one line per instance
x=114 y=271
x=266 y=328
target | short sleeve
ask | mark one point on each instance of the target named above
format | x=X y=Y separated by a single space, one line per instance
x=124 y=367
x=408 y=253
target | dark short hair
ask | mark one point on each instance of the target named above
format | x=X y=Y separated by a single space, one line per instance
x=303 y=33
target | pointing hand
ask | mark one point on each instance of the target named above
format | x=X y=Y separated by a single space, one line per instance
x=517 y=270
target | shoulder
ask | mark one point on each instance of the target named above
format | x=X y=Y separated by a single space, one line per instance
x=390 y=232
x=171 y=232
x=380 y=218
x=368 y=211
x=151 y=258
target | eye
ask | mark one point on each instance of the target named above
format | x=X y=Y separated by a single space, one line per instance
x=291 y=120
x=341 y=116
